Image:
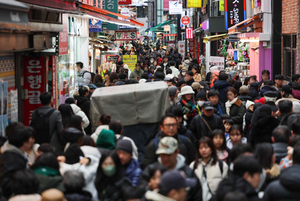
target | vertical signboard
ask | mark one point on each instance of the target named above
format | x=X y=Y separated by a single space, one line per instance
x=181 y=48
x=112 y=6
x=235 y=12
x=54 y=88
x=63 y=37
x=189 y=33
x=192 y=48
x=34 y=83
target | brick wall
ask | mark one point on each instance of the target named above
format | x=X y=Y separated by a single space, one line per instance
x=290 y=14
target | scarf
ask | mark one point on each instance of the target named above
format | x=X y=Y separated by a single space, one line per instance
x=228 y=105
x=188 y=106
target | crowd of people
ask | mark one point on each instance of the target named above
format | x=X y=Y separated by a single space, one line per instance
x=220 y=140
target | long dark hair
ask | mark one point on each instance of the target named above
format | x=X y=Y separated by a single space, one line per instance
x=208 y=141
x=264 y=153
x=75 y=122
x=66 y=112
x=102 y=181
x=217 y=132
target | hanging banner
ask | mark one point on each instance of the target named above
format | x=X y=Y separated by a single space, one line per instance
x=192 y=48
x=112 y=6
x=54 y=83
x=124 y=2
x=181 y=48
x=194 y=3
x=125 y=35
x=235 y=12
x=130 y=60
x=166 y=5
x=175 y=8
x=95 y=25
x=63 y=37
x=189 y=33
x=34 y=83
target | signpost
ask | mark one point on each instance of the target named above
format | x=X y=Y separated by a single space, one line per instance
x=185 y=20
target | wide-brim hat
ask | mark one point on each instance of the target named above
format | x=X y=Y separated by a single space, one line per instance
x=186 y=90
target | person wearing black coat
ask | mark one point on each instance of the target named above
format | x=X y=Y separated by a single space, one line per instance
x=288 y=185
x=266 y=123
x=198 y=125
x=222 y=85
x=84 y=103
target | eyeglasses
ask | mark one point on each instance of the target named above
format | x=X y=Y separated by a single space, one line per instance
x=170 y=125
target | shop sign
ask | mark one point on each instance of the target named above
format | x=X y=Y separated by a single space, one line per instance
x=112 y=6
x=221 y=5
x=189 y=33
x=216 y=62
x=34 y=74
x=256 y=3
x=194 y=3
x=167 y=28
x=124 y=2
x=235 y=12
x=125 y=35
x=130 y=60
x=111 y=59
x=130 y=11
x=54 y=84
x=175 y=8
x=63 y=37
x=170 y=34
x=199 y=49
x=166 y=5
x=181 y=48
x=95 y=25
x=205 y=25
x=192 y=48
x=185 y=20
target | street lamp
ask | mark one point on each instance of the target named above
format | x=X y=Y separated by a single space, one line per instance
x=152 y=2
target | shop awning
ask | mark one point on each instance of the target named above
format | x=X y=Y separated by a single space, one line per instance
x=214 y=37
x=244 y=24
x=160 y=25
x=106 y=13
x=13 y=12
x=69 y=5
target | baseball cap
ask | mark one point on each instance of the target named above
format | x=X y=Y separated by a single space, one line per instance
x=244 y=89
x=174 y=179
x=167 y=145
x=208 y=105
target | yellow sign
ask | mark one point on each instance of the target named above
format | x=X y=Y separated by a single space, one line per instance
x=130 y=60
x=194 y=3
x=221 y=5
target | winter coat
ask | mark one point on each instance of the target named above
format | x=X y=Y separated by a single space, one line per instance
x=49 y=178
x=155 y=196
x=186 y=63
x=213 y=174
x=134 y=147
x=280 y=150
x=222 y=86
x=262 y=131
x=30 y=197
x=290 y=98
x=237 y=111
x=296 y=93
x=266 y=88
x=78 y=196
x=199 y=128
x=219 y=109
x=84 y=103
x=287 y=187
x=133 y=172
x=244 y=99
x=175 y=71
x=99 y=84
x=97 y=132
x=187 y=149
x=229 y=143
x=195 y=193
x=270 y=176
x=235 y=183
x=11 y=160
x=84 y=77
x=248 y=117
x=135 y=74
x=55 y=126
x=79 y=112
x=197 y=77
x=190 y=82
x=253 y=90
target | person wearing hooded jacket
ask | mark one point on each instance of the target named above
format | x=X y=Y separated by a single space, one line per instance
x=222 y=85
x=234 y=106
x=268 y=85
x=287 y=94
x=287 y=186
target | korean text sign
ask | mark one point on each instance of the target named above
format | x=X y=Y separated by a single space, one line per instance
x=34 y=82
x=235 y=12
x=125 y=35
x=130 y=60
x=63 y=37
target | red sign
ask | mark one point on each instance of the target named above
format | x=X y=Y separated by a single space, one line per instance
x=185 y=20
x=34 y=75
x=170 y=34
x=189 y=33
x=199 y=52
x=166 y=5
x=63 y=37
x=54 y=81
x=192 y=48
x=124 y=2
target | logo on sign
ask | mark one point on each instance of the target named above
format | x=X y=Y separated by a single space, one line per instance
x=185 y=20
x=189 y=33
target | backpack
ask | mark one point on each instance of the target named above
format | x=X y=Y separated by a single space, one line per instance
x=92 y=75
x=42 y=127
x=183 y=138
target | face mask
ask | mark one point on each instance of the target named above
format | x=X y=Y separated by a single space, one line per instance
x=109 y=170
x=200 y=103
x=151 y=61
x=183 y=73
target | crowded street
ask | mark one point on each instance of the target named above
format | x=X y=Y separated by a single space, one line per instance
x=158 y=100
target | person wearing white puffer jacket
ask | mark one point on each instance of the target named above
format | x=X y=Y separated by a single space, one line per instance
x=103 y=124
x=77 y=111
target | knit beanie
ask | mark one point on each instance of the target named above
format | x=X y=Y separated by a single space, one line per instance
x=124 y=145
x=106 y=139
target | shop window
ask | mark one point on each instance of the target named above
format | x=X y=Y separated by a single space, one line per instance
x=214 y=9
x=294 y=41
x=142 y=11
x=287 y=41
x=35 y=15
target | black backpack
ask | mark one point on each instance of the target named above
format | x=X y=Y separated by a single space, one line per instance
x=92 y=75
x=42 y=127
